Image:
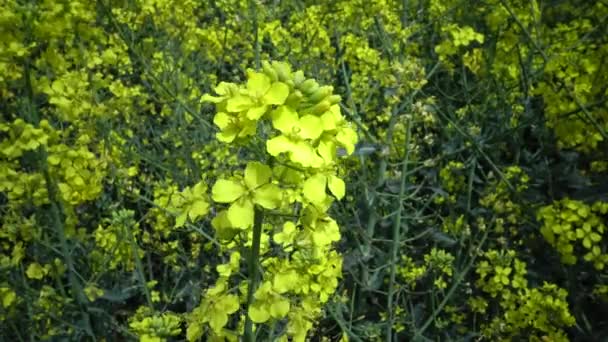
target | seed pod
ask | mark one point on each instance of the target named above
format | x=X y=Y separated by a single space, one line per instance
x=309 y=86
x=320 y=94
x=269 y=71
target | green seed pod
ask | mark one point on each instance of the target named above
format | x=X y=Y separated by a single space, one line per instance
x=298 y=78
x=283 y=71
x=320 y=94
x=269 y=71
x=309 y=86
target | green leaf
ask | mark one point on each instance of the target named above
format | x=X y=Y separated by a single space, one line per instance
x=118 y=295
x=227 y=191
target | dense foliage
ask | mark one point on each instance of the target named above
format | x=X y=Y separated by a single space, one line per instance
x=425 y=170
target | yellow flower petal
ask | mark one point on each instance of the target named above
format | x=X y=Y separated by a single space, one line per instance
x=278 y=145
x=284 y=118
x=336 y=186
x=258 y=84
x=240 y=214
x=227 y=191
x=268 y=196
x=310 y=126
x=258 y=314
x=314 y=189
x=277 y=94
x=257 y=174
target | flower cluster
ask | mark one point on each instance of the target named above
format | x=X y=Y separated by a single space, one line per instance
x=295 y=179
x=575 y=228
x=522 y=311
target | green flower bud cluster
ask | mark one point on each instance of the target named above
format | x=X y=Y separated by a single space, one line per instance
x=452 y=179
x=500 y=271
x=456 y=227
x=410 y=271
x=113 y=248
x=499 y=197
x=154 y=327
x=438 y=264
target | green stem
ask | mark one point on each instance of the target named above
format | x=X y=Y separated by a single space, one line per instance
x=458 y=279
x=139 y=267
x=397 y=233
x=57 y=222
x=253 y=271
x=256 y=41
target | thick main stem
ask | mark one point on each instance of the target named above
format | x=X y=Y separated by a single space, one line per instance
x=254 y=255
